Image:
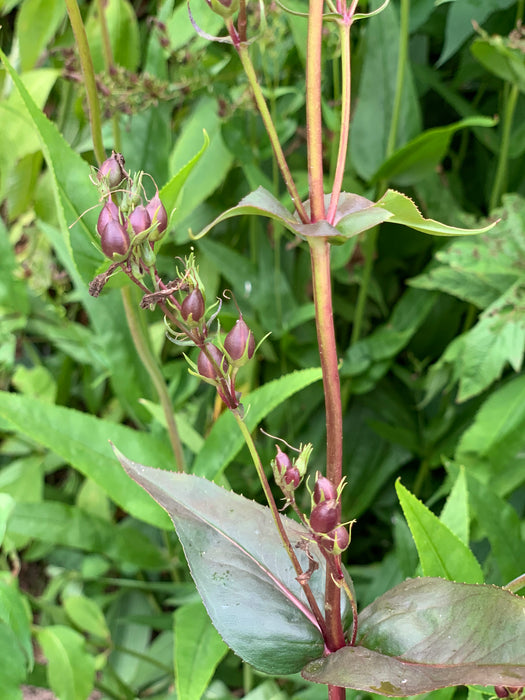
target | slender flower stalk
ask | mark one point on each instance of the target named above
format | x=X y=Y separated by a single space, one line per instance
x=247 y=64
x=89 y=78
x=314 y=124
x=344 y=33
x=278 y=522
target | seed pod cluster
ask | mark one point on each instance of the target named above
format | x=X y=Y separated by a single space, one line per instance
x=240 y=343
x=286 y=474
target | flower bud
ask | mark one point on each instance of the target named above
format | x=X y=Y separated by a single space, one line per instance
x=337 y=541
x=292 y=477
x=157 y=214
x=112 y=171
x=224 y=8
x=193 y=305
x=325 y=516
x=282 y=461
x=501 y=691
x=206 y=367
x=240 y=343
x=139 y=219
x=114 y=239
x=109 y=212
x=324 y=490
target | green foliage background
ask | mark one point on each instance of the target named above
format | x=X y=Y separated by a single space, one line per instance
x=433 y=389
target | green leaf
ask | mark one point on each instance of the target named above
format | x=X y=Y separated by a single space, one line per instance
x=428 y=633
x=13 y=669
x=460 y=19
x=70 y=669
x=455 y=514
x=36 y=23
x=198 y=650
x=15 y=615
x=213 y=165
x=123 y=33
x=241 y=569
x=420 y=156
x=83 y=441
x=405 y=212
x=7 y=505
x=86 y=615
x=169 y=194
x=225 y=439
x=441 y=552
x=69 y=526
x=497 y=55
x=477 y=358
x=491 y=446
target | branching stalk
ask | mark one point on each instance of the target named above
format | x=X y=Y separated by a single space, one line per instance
x=271 y=131
x=141 y=343
x=314 y=124
x=344 y=32
x=89 y=78
x=278 y=522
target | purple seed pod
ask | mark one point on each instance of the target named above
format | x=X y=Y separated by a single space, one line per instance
x=110 y=212
x=501 y=691
x=325 y=516
x=112 y=170
x=240 y=341
x=337 y=541
x=157 y=213
x=282 y=461
x=324 y=490
x=139 y=219
x=114 y=239
x=206 y=367
x=292 y=477
x=193 y=305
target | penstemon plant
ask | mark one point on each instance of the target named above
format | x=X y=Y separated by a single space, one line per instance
x=275 y=586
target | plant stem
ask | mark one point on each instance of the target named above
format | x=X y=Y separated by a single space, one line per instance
x=141 y=343
x=109 y=63
x=271 y=131
x=277 y=518
x=344 y=32
x=314 y=125
x=89 y=78
x=320 y=258
x=501 y=170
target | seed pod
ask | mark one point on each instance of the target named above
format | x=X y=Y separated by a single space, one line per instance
x=325 y=516
x=206 y=367
x=324 y=490
x=193 y=305
x=109 y=212
x=337 y=541
x=501 y=691
x=157 y=214
x=240 y=343
x=114 y=239
x=292 y=477
x=111 y=170
x=282 y=461
x=139 y=219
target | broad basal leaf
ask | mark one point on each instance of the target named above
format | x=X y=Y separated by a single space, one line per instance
x=241 y=569
x=429 y=633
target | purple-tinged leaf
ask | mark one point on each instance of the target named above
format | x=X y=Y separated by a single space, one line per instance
x=241 y=569
x=430 y=633
x=354 y=214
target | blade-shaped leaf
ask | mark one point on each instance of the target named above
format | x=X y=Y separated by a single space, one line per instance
x=429 y=633
x=405 y=212
x=241 y=569
x=421 y=155
x=441 y=552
